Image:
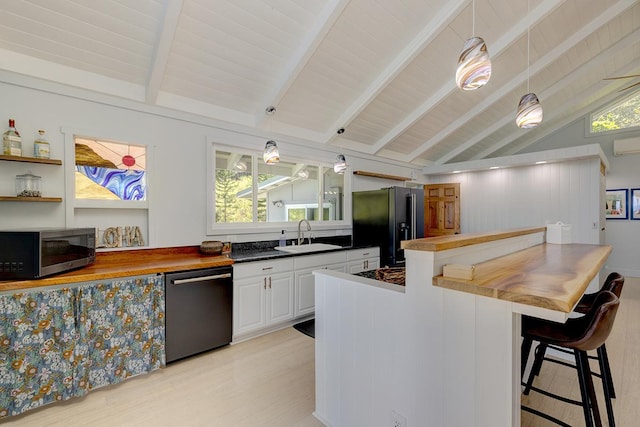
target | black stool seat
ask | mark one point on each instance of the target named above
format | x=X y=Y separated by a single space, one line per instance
x=579 y=335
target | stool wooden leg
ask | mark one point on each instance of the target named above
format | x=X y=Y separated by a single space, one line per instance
x=607 y=383
x=587 y=391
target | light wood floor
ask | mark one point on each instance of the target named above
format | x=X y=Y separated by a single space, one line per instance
x=269 y=381
x=266 y=381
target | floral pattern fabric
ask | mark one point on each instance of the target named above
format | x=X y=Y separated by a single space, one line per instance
x=59 y=343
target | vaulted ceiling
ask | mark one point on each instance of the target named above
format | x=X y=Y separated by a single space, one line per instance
x=381 y=69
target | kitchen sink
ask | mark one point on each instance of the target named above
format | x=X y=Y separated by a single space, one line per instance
x=313 y=247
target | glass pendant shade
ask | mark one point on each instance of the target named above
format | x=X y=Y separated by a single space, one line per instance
x=529 y=113
x=474 y=65
x=340 y=166
x=271 y=155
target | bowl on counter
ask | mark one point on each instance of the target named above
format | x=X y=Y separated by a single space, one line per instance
x=211 y=247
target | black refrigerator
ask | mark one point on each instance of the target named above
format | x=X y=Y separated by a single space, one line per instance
x=386 y=217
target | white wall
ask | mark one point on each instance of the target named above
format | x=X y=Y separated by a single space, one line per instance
x=624 y=172
x=531 y=196
x=177 y=165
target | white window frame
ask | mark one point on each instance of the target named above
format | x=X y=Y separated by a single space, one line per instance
x=214 y=228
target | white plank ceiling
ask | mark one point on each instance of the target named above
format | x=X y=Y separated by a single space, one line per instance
x=381 y=69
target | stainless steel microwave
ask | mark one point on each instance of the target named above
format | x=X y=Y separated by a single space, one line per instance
x=35 y=253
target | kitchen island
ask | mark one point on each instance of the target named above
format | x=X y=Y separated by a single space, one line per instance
x=442 y=351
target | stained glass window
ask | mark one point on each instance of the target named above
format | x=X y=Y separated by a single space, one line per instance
x=107 y=170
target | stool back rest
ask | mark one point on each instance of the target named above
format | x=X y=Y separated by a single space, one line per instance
x=614 y=286
x=610 y=278
x=599 y=321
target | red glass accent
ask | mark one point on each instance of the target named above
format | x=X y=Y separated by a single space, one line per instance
x=128 y=160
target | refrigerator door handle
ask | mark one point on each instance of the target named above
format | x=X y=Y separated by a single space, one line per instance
x=414 y=214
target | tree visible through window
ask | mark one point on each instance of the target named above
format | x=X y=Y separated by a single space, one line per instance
x=249 y=191
x=621 y=115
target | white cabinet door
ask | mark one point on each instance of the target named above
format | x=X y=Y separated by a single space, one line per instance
x=249 y=305
x=279 y=297
x=305 y=288
x=304 y=279
x=262 y=294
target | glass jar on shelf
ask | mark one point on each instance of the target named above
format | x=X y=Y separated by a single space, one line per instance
x=28 y=185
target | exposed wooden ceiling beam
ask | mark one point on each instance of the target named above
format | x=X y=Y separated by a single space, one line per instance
x=594 y=63
x=326 y=20
x=496 y=48
x=573 y=108
x=435 y=25
x=163 y=49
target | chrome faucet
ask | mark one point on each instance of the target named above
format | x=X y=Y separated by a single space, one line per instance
x=300 y=235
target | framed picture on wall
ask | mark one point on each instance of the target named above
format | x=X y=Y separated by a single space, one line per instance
x=635 y=203
x=616 y=206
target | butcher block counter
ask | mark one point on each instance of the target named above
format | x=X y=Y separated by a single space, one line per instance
x=110 y=265
x=548 y=275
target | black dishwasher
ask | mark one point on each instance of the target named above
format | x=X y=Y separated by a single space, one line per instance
x=198 y=309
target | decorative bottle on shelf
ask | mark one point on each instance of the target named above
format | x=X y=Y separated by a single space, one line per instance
x=11 y=141
x=41 y=146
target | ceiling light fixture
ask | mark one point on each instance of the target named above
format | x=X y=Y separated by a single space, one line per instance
x=340 y=166
x=529 y=114
x=271 y=154
x=474 y=65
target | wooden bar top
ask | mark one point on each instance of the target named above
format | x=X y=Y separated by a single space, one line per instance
x=441 y=243
x=116 y=264
x=550 y=276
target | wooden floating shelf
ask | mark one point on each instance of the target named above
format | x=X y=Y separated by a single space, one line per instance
x=31 y=160
x=381 y=175
x=30 y=199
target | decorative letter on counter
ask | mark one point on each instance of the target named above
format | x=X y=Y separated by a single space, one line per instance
x=115 y=237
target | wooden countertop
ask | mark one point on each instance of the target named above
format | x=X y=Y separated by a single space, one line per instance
x=111 y=265
x=549 y=275
x=441 y=243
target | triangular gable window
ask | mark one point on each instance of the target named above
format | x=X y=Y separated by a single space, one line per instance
x=623 y=114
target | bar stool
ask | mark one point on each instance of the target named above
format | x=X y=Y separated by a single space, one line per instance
x=613 y=283
x=579 y=335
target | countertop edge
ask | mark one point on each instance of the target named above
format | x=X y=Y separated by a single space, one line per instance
x=441 y=243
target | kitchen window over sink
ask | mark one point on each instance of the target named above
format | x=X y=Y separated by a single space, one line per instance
x=248 y=191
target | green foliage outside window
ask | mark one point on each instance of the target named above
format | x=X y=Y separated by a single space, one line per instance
x=229 y=207
x=623 y=115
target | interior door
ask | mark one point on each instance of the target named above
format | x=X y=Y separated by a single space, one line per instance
x=441 y=209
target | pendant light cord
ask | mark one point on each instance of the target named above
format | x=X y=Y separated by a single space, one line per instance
x=528 y=42
x=473 y=18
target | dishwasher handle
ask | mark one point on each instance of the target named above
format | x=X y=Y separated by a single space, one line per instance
x=201 y=278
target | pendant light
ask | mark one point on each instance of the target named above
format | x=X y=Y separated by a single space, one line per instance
x=340 y=166
x=529 y=113
x=474 y=65
x=271 y=155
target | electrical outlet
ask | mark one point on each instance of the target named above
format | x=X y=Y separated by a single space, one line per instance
x=398 y=420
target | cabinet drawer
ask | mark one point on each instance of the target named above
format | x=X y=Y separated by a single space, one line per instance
x=357 y=254
x=318 y=260
x=259 y=268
